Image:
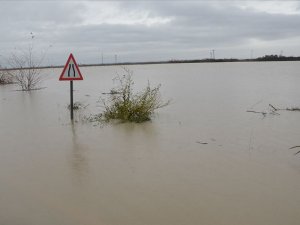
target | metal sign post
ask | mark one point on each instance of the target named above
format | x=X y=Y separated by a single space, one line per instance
x=71 y=100
x=71 y=72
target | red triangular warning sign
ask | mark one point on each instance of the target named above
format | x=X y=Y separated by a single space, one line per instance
x=71 y=70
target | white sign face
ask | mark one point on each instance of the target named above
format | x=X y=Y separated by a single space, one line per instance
x=71 y=70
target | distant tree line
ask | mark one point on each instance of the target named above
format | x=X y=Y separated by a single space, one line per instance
x=277 y=58
x=202 y=60
x=263 y=58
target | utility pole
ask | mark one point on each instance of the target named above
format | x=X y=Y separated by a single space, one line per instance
x=213 y=53
x=102 y=57
x=116 y=58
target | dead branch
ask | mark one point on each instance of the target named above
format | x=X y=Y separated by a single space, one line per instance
x=275 y=109
x=292 y=109
x=263 y=113
x=287 y=109
x=297 y=146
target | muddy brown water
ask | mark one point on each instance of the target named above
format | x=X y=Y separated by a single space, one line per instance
x=155 y=173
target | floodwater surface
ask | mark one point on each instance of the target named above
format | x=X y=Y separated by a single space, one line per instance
x=201 y=160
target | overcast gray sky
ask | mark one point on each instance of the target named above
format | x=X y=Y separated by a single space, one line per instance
x=150 y=30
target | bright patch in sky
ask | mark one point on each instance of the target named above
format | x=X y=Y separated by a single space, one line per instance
x=106 y=13
x=272 y=7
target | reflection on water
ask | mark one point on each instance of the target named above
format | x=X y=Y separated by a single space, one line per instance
x=53 y=171
x=79 y=160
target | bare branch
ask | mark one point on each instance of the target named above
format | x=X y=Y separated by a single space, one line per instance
x=27 y=73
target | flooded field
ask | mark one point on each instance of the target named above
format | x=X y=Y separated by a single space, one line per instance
x=201 y=160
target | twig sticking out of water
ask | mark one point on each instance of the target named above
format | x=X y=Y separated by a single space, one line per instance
x=263 y=113
x=272 y=111
x=287 y=109
x=297 y=146
x=293 y=109
x=275 y=109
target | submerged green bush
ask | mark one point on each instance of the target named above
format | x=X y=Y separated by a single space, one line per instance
x=126 y=106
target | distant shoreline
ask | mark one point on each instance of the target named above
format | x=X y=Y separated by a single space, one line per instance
x=267 y=58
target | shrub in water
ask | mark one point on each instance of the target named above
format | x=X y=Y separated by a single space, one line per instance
x=5 y=78
x=26 y=64
x=124 y=105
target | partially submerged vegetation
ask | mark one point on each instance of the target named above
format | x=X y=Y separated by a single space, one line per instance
x=28 y=74
x=77 y=106
x=25 y=67
x=124 y=105
x=5 y=78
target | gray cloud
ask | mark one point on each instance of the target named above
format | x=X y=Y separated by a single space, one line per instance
x=133 y=29
x=197 y=18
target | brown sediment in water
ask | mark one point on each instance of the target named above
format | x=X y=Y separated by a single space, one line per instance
x=218 y=165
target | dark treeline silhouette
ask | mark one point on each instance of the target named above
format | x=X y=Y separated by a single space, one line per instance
x=263 y=58
x=277 y=58
x=202 y=60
